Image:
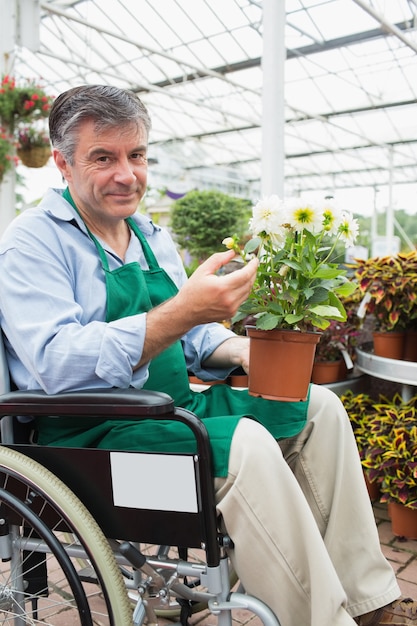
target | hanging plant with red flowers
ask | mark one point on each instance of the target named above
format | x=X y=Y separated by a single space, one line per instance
x=22 y=102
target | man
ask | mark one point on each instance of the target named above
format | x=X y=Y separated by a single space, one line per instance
x=94 y=295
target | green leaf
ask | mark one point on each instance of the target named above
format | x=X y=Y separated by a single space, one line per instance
x=252 y=245
x=320 y=294
x=346 y=289
x=293 y=264
x=293 y=319
x=334 y=301
x=268 y=321
x=328 y=272
x=239 y=316
x=276 y=307
x=324 y=310
x=319 y=322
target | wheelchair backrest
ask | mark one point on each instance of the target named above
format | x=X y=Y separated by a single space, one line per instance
x=4 y=370
x=7 y=423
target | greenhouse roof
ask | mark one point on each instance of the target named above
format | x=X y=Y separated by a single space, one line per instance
x=350 y=83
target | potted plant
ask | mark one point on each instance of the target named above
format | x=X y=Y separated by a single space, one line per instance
x=389 y=289
x=33 y=147
x=361 y=411
x=298 y=286
x=386 y=435
x=199 y=217
x=409 y=265
x=6 y=152
x=25 y=102
x=336 y=350
x=394 y=435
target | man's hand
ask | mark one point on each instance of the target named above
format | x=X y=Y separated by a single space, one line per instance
x=204 y=298
x=212 y=298
x=233 y=351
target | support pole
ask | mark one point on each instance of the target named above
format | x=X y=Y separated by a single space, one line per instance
x=8 y=12
x=273 y=62
x=389 y=222
x=19 y=25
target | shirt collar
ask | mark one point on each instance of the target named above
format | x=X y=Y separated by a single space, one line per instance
x=56 y=206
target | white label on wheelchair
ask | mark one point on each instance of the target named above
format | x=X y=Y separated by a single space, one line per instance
x=159 y=482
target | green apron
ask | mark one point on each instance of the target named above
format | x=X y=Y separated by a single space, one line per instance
x=131 y=290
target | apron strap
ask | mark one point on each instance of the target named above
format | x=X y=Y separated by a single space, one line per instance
x=147 y=251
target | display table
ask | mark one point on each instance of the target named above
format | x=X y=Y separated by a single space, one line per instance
x=393 y=370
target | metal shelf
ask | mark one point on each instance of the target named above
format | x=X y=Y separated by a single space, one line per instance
x=393 y=370
x=357 y=382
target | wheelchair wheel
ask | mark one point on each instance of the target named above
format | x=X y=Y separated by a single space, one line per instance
x=45 y=533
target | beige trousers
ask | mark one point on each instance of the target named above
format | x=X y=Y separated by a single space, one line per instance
x=305 y=539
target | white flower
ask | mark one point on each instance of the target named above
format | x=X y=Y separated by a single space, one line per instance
x=302 y=215
x=267 y=216
x=229 y=242
x=348 y=229
x=297 y=283
x=332 y=217
x=277 y=239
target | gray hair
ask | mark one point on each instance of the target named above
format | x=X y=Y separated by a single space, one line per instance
x=108 y=107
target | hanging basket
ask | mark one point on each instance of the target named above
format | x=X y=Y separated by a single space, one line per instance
x=38 y=156
x=280 y=363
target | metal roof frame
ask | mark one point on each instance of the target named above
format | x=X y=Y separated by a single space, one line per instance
x=350 y=84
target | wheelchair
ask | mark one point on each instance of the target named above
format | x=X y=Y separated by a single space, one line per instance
x=109 y=537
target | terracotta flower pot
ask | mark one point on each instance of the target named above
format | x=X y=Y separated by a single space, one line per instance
x=389 y=344
x=280 y=363
x=238 y=380
x=373 y=488
x=327 y=372
x=403 y=520
x=410 y=346
x=194 y=380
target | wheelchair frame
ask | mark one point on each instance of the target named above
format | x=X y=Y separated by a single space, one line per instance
x=117 y=530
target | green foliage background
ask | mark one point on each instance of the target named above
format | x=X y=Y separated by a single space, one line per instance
x=407 y=221
x=202 y=219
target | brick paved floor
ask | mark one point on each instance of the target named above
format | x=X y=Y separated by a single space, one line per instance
x=401 y=553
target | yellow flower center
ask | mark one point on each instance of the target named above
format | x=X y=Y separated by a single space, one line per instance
x=304 y=216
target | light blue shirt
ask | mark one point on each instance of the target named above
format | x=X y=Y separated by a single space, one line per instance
x=53 y=305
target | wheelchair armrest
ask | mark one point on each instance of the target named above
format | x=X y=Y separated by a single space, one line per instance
x=114 y=403
x=122 y=404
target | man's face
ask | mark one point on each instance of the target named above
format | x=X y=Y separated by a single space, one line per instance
x=108 y=177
